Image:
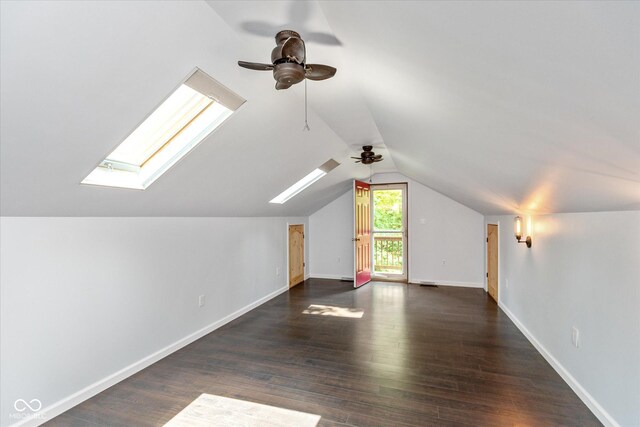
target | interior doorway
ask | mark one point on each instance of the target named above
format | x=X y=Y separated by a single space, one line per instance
x=389 y=231
x=296 y=254
x=492 y=261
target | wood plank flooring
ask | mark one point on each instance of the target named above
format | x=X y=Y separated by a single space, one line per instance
x=419 y=356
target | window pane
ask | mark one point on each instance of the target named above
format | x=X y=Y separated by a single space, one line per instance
x=173 y=115
x=387 y=210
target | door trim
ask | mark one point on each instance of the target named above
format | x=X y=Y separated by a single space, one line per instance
x=405 y=209
x=304 y=253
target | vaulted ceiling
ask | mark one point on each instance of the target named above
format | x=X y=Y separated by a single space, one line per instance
x=502 y=106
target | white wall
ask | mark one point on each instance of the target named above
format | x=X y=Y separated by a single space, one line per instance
x=582 y=270
x=439 y=229
x=83 y=298
x=331 y=231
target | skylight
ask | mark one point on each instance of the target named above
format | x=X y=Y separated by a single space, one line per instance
x=305 y=182
x=194 y=110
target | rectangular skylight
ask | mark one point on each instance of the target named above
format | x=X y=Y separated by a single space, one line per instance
x=305 y=182
x=194 y=110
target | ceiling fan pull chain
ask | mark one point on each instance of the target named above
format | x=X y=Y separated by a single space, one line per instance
x=306 y=123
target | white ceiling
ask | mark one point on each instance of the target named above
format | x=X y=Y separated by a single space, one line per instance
x=505 y=106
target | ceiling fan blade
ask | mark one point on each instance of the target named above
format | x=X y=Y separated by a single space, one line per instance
x=319 y=71
x=255 y=66
x=377 y=156
x=259 y=28
x=358 y=161
x=356 y=158
x=281 y=86
x=294 y=49
x=377 y=160
x=322 y=38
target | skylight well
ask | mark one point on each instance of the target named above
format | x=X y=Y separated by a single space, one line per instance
x=194 y=110
x=305 y=182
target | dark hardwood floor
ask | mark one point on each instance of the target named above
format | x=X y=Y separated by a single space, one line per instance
x=419 y=356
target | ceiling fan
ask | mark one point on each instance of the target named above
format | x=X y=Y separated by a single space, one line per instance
x=288 y=62
x=368 y=157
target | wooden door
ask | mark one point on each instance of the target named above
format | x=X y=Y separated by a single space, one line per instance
x=362 y=229
x=296 y=254
x=492 y=261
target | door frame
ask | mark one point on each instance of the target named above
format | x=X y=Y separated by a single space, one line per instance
x=405 y=214
x=486 y=264
x=304 y=252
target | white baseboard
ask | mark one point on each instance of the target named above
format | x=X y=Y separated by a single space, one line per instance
x=448 y=283
x=602 y=415
x=329 y=276
x=69 y=402
x=415 y=282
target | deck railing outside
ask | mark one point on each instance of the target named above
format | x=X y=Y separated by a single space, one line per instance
x=387 y=252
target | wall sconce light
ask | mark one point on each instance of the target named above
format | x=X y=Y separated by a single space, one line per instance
x=518 y=231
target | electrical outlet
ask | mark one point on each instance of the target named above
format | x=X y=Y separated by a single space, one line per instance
x=201 y=301
x=444 y=261
x=338 y=260
x=575 y=337
x=277 y=271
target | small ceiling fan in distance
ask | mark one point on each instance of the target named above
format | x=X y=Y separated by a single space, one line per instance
x=368 y=157
x=288 y=62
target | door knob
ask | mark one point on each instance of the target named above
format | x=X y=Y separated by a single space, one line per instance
x=355 y=239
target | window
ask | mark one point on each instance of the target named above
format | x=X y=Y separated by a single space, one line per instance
x=296 y=188
x=194 y=110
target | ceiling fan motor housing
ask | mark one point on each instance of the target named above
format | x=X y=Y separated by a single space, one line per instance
x=283 y=35
x=288 y=73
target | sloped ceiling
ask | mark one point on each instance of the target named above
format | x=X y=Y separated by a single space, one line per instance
x=505 y=106
x=501 y=106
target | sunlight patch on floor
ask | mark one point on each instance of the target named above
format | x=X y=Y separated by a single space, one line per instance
x=210 y=410
x=328 y=310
